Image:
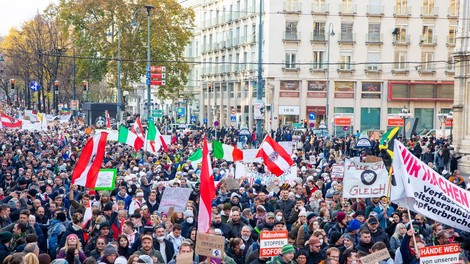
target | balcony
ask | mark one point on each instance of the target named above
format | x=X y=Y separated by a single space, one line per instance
x=318 y=67
x=401 y=40
x=426 y=68
x=374 y=38
x=375 y=11
x=400 y=68
x=347 y=10
x=291 y=66
x=345 y=67
x=453 y=12
x=292 y=7
x=450 y=70
x=429 y=12
x=318 y=37
x=320 y=9
x=291 y=36
x=373 y=68
x=402 y=11
x=251 y=39
x=236 y=42
x=347 y=38
x=450 y=41
x=428 y=41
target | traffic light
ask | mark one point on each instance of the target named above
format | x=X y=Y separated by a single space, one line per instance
x=85 y=85
x=56 y=86
x=12 y=84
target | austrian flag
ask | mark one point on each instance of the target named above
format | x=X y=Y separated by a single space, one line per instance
x=10 y=122
x=88 y=166
x=274 y=156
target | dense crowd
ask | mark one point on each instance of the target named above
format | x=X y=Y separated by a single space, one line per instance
x=44 y=218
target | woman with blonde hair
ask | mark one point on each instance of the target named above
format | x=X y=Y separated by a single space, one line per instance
x=395 y=240
x=133 y=259
x=72 y=241
x=31 y=258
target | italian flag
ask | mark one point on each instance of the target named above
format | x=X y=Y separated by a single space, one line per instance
x=226 y=152
x=154 y=140
x=128 y=137
x=196 y=158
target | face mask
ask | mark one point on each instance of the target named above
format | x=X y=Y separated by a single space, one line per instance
x=189 y=220
x=245 y=238
x=321 y=241
x=160 y=238
x=242 y=247
x=158 y=177
x=278 y=217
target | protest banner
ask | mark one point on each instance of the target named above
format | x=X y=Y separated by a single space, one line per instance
x=337 y=171
x=106 y=179
x=210 y=245
x=232 y=184
x=426 y=192
x=271 y=243
x=287 y=145
x=174 y=197
x=249 y=155
x=439 y=254
x=365 y=180
x=243 y=170
x=376 y=257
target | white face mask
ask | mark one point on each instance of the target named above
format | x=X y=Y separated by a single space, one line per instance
x=160 y=238
x=278 y=218
x=190 y=220
x=321 y=241
x=245 y=238
x=242 y=247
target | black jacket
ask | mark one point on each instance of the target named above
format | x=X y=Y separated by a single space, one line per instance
x=169 y=249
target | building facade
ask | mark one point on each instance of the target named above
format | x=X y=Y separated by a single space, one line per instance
x=352 y=64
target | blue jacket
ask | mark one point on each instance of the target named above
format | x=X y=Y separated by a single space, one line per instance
x=54 y=232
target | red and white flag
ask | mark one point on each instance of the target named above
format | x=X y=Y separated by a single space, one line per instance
x=10 y=122
x=138 y=129
x=88 y=166
x=108 y=120
x=162 y=141
x=207 y=191
x=275 y=157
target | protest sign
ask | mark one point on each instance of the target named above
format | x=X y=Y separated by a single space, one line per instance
x=174 y=197
x=271 y=243
x=287 y=145
x=184 y=258
x=365 y=180
x=376 y=257
x=232 y=184
x=106 y=179
x=440 y=254
x=243 y=170
x=249 y=155
x=426 y=192
x=210 y=245
x=337 y=171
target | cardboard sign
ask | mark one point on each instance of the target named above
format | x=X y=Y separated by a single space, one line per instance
x=271 y=243
x=210 y=245
x=232 y=184
x=184 y=258
x=372 y=159
x=174 y=197
x=440 y=254
x=106 y=179
x=376 y=257
x=337 y=171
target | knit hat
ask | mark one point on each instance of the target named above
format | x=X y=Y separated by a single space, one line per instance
x=32 y=192
x=287 y=249
x=301 y=252
x=334 y=237
x=354 y=225
x=120 y=260
x=340 y=216
x=61 y=217
x=349 y=237
x=104 y=225
x=310 y=216
x=5 y=237
x=109 y=250
x=108 y=207
x=188 y=213
x=313 y=240
x=302 y=213
x=146 y=259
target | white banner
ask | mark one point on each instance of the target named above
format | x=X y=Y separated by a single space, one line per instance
x=249 y=156
x=364 y=180
x=242 y=170
x=426 y=192
x=26 y=125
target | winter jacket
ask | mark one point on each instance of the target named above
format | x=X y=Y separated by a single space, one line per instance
x=54 y=233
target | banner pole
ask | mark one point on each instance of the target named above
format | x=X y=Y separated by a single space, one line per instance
x=409 y=215
x=389 y=189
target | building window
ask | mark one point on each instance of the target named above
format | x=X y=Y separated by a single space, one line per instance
x=401 y=7
x=452 y=35
x=400 y=34
x=400 y=61
x=291 y=5
x=428 y=35
x=374 y=33
x=426 y=118
x=318 y=60
x=454 y=8
x=319 y=31
x=291 y=30
x=371 y=90
x=427 y=63
x=347 y=6
x=345 y=61
x=319 y=6
x=291 y=60
x=346 y=32
x=370 y=118
x=428 y=7
x=450 y=63
x=373 y=59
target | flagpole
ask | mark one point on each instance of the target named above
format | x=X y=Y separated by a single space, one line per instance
x=409 y=215
x=389 y=189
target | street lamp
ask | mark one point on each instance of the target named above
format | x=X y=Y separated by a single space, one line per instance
x=443 y=117
x=331 y=33
x=450 y=117
x=405 y=114
x=148 y=8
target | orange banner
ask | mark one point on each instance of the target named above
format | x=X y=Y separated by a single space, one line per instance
x=343 y=121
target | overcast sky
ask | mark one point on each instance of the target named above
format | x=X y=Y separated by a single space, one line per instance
x=13 y=13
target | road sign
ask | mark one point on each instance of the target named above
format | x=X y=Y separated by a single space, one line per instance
x=157 y=69
x=234 y=111
x=205 y=120
x=74 y=105
x=296 y=125
x=181 y=111
x=157 y=76
x=233 y=118
x=345 y=128
x=158 y=83
x=216 y=123
x=312 y=116
x=157 y=113
x=312 y=124
x=193 y=119
x=34 y=86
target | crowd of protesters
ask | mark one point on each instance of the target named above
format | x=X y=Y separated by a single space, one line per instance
x=44 y=218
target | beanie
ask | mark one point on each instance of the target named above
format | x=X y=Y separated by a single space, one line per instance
x=334 y=237
x=340 y=216
x=188 y=213
x=5 y=237
x=354 y=225
x=61 y=217
x=287 y=249
x=349 y=237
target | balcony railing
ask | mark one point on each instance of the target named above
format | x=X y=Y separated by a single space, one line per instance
x=402 y=11
x=374 y=38
x=347 y=9
x=347 y=38
x=318 y=66
x=292 y=7
x=318 y=36
x=428 y=11
x=320 y=8
x=453 y=12
x=450 y=41
x=375 y=10
x=291 y=66
x=345 y=66
x=401 y=39
x=291 y=36
x=428 y=40
x=373 y=68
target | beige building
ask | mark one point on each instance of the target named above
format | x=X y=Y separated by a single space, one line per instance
x=356 y=63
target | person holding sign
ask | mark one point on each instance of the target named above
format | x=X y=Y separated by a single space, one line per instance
x=286 y=256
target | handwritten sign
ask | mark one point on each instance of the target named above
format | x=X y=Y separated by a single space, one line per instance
x=106 y=179
x=174 y=197
x=232 y=184
x=210 y=245
x=184 y=258
x=376 y=257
